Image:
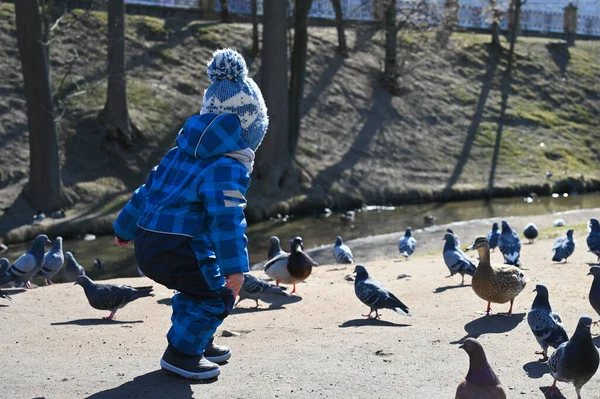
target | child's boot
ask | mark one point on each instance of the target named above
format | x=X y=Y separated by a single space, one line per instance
x=216 y=353
x=195 y=367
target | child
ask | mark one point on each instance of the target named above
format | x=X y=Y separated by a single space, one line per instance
x=188 y=220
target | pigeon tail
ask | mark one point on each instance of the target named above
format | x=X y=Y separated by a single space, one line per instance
x=141 y=292
x=396 y=305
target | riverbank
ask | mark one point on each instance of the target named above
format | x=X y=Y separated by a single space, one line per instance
x=57 y=346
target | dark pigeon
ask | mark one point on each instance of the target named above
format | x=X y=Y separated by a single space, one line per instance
x=455 y=259
x=546 y=325
x=531 y=232
x=510 y=245
x=563 y=247
x=493 y=236
x=593 y=239
x=407 y=244
x=111 y=296
x=27 y=265
x=72 y=268
x=274 y=248
x=594 y=295
x=342 y=253
x=374 y=295
x=456 y=238
x=255 y=288
x=481 y=382
x=575 y=361
x=53 y=262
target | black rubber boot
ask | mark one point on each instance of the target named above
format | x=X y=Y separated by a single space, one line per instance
x=216 y=353
x=194 y=367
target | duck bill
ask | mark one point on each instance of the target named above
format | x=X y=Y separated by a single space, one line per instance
x=298 y=248
x=470 y=247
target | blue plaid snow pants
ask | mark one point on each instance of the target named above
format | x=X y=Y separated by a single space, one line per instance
x=198 y=310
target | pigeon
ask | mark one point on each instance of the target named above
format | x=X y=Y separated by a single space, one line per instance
x=98 y=263
x=111 y=296
x=348 y=217
x=291 y=268
x=594 y=295
x=407 y=244
x=576 y=360
x=546 y=325
x=455 y=259
x=493 y=236
x=4 y=295
x=481 y=382
x=274 y=248
x=60 y=214
x=53 y=262
x=510 y=245
x=531 y=232
x=72 y=268
x=593 y=239
x=4 y=264
x=27 y=265
x=255 y=288
x=341 y=252
x=38 y=217
x=456 y=239
x=563 y=247
x=372 y=294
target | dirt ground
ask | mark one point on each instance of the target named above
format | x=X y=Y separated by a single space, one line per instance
x=55 y=346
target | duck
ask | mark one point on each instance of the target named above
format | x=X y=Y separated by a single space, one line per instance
x=498 y=284
x=531 y=232
x=493 y=236
x=291 y=268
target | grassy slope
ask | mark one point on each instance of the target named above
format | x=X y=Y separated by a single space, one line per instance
x=358 y=141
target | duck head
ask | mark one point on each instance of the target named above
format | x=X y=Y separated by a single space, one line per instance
x=296 y=245
x=480 y=242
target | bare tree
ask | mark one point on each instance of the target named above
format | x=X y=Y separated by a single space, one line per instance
x=44 y=189
x=449 y=23
x=390 y=71
x=225 y=15
x=496 y=11
x=516 y=25
x=339 y=24
x=273 y=159
x=255 y=38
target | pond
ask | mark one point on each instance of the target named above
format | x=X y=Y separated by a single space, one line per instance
x=321 y=230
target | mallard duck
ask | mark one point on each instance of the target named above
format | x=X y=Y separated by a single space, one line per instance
x=291 y=268
x=498 y=284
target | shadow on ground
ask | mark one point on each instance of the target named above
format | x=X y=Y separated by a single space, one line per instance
x=536 y=369
x=94 y=322
x=552 y=395
x=449 y=287
x=490 y=325
x=155 y=384
x=371 y=322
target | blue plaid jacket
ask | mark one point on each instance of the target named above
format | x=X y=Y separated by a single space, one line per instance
x=198 y=192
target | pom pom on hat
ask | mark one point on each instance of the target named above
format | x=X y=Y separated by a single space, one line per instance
x=227 y=64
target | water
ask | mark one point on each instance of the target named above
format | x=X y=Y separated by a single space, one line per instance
x=317 y=231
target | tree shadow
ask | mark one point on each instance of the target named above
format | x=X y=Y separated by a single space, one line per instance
x=561 y=56
x=506 y=81
x=449 y=287
x=155 y=384
x=94 y=322
x=536 y=369
x=491 y=325
x=490 y=69
x=371 y=322
x=552 y=395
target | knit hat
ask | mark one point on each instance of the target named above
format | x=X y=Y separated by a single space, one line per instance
x=232 y=92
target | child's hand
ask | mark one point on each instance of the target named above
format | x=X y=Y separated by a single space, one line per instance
x=234 y=282
x=121 y=243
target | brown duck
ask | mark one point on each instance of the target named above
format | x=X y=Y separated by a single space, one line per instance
x=498 y=284
x=291 y=268
x=481 y=382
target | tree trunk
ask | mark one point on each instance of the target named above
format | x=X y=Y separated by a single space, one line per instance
x=225 y=15
x=255 y=38
x=450 y=22
x=115 y=115
x=273 y=159
x=298 y=71
x=391 y=33
x=516 y=6
x=44 y=189
x=495 y=34
x=339 y=24
x=496 y=15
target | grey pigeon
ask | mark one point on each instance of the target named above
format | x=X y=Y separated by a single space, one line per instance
x=456 y=238
x=576 y=360
x=374 y=295
x=407 y=244
x=493 y=236
x=593 y=239
x=53 y=262
x=341 y=252
x=4 y=264
x=481 y=382
x=274 y=248
x=546 y=325
x=594 y=295
x=255 y=288
x=510 y=245
x=559 y=223
x=72 y=268
x=455 y=259
x=111 y=296
x=27 y=265
x=531 y=232
x=563 y=247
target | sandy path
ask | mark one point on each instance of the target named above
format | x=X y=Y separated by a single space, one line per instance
x=55 y=346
